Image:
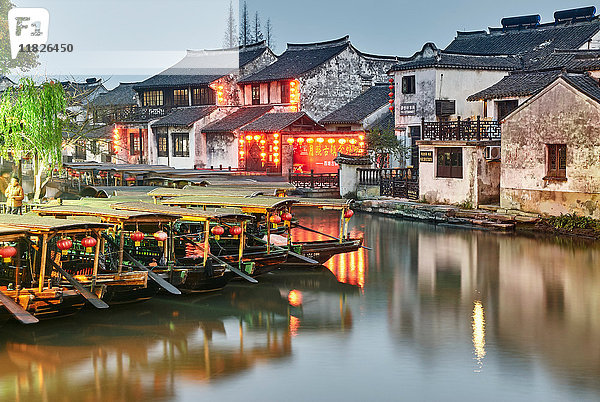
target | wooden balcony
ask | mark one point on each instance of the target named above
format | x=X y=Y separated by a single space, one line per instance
x=461 y=130
x=131 y=114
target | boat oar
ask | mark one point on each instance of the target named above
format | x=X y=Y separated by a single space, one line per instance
x=17 y=311
x=152 y=275
x=299 y=256
x=325 y=234
x=231 y=268
x=89 y=296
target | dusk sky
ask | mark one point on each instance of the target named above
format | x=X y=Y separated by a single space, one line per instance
x=138 y=38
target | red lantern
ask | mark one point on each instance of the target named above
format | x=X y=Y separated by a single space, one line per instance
x=391 y=101
x=88 y=243
x=391 y=87
x=391 y=94
x=64 y=245
x=391 y=108
x=391 y=80
x=160 y=237
x=275 y=219
x=235 y=230
x=7 y=253
x=217 y=231
x=286 y=216
x=137 y=237
x=348 y=213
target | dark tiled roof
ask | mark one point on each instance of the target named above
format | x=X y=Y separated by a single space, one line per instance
x=194 y=70
x=517 y=84
x=570 y=60
x=585 y=84
x=299 y=59
x=432 y=57
x=360 y=107
x=385 y=123
x=91 y=133
x=184 y=116
x=353 y=159
x=273 y=122
x=237 y=119
x=532 y=41
x=84 y=92
x=122 y=95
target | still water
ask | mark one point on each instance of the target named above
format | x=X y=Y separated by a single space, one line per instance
x=431 y=313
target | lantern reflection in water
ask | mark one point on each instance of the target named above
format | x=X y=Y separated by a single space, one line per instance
x=478 y=332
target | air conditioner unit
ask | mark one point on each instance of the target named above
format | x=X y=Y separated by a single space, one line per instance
x=492 y=153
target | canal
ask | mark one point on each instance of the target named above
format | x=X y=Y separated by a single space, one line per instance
x=431 y=313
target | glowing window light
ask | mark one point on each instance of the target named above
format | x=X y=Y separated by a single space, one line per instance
x=330 y=141
x=310 y=140
x=342 y=141
x=320 y=140
x=249 y=137
x=290 y=140
x=256 y=137
x=300 y=140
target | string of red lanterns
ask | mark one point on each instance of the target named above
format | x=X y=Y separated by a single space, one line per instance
x=391 y=94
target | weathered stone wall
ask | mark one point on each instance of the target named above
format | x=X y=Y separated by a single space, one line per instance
x=338 y=81
x=480 y=183
x=222 y=150
x=558 y=115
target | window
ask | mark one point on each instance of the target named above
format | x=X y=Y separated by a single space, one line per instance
x=506 y=107
x=80 y=150
x=181 y=144
x=255 y=94
x=94 y=148
x=180 y=97
x=285 y=91
x=134 y=143
x=203 y=96
x=162 y=142
x=408 y=84
x=449 y=162
x=153 y=98
x=556 y=161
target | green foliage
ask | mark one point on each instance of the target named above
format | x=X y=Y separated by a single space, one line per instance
x=24 y=60
x=32 y=120
x=573 y=221
x=466 y=204
x=383 y=142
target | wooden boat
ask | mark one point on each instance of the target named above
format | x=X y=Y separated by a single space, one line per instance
x=265 y=208
x=36 y=278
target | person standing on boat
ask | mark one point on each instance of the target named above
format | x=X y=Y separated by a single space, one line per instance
x=14 y=197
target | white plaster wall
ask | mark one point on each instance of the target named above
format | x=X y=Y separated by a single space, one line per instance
x=182 y=162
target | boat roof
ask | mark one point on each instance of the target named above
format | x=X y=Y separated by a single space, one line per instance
x=106 y=214
x=207 y=191
x=8 y=233
x=184 y=213
x=33 y=222
x=324 y=203
x=251 y=204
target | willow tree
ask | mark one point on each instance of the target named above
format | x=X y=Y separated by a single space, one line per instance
x=31 y=125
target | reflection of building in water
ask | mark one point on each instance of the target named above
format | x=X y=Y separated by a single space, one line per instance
x=501 y=295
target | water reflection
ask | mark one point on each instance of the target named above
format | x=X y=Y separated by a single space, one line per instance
x=148 y=351
x=478 y=332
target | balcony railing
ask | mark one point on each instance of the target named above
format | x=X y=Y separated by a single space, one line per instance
x=461 y=130
x=132 y=114
x=315 y=180
x=394 y=182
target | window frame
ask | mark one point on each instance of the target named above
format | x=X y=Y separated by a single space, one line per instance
x=255 y=100
x=181 y=97
x=181 y=140
x=203 y=96
x=153 y=98
x=162 y=135
x=553 y=157
x=453 y=162
x=134 y=143
x=284 y=92
x=80 y=150
x=409 y=84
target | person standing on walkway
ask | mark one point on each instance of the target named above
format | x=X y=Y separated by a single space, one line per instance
x=14 y=197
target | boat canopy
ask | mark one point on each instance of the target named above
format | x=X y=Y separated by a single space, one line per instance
x=206 y=191
x=35 y=223
x=259 y=204
x=184 y=213
x=105 y=214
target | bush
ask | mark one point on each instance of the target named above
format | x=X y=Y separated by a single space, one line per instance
x=573 y=221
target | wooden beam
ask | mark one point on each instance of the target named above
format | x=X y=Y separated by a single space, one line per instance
x=44 y=252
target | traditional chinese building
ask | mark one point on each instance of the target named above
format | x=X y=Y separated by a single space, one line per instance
x=550 y=148
x=280 y=143
x=316 y=78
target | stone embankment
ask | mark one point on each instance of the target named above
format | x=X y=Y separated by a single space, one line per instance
x=486 y=219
